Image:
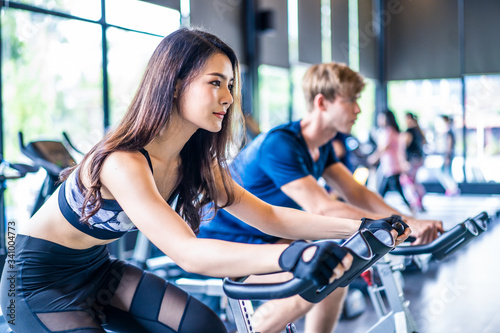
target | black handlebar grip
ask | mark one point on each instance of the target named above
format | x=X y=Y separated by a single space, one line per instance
x=399 y=228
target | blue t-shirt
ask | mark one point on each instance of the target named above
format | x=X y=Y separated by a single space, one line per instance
x=270 y=161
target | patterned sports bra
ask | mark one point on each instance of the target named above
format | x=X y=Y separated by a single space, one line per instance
x=108 y=223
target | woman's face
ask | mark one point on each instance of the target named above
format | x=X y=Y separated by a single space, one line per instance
x=410 y=121
x=207 y=98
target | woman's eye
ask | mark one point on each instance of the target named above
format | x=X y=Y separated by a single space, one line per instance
x=215 y=83
x=230 y=87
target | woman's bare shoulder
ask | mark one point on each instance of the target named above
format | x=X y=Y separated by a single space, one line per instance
x=124 y=163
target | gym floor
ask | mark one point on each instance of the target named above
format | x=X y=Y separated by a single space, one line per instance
x=460 y=294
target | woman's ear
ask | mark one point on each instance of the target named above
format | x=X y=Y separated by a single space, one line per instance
x=176 y=89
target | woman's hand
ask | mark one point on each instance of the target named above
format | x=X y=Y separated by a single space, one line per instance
x=322 y=262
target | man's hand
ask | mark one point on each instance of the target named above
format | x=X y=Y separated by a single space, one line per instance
x=425 y=231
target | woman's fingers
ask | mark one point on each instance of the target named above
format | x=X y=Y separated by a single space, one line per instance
x=401 y=238
x=341 y=268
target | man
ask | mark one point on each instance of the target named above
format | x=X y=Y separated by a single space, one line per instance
x=282 y=167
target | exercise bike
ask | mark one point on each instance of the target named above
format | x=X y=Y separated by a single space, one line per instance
x=9 y=171
x=395 y=317
x=365 y=247
x=53 y=157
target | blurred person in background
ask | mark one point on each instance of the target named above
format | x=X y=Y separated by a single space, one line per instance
x=390 y=155
x=446 y=176
x=414 y=139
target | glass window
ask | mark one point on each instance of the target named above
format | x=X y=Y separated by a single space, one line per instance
x=274 y=96
x=142 y=16
x=482 y=120
x=364 y=124
x=89 y=9
x=299 y=103
x=52 y=78
x=52 y=82
x=128 y=54
x=429 y=99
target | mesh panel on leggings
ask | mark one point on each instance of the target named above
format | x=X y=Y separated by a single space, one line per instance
x=124 y=294
x=150 y=303
x=172 y=307
x=69 y=320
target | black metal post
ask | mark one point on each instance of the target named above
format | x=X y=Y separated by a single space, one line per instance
x=461 y=47
x=105 y=84
x=381 y=87
x=251 y=102
x=2 y=203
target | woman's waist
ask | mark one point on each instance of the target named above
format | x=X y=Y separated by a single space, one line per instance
x=30 y=247
x=50 y=225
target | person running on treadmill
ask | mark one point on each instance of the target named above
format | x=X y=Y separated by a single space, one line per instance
x=171 y=144
x=282 y=167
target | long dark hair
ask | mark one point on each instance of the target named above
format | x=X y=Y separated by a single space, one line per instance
x=390 y=120
x=179 y=58
x=414 y=117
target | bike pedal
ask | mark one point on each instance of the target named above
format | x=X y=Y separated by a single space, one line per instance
x=290 y=328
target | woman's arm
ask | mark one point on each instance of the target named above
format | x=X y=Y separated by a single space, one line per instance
x=382 y=146
x=287 y=222
x=128 y=178
x=405 y=166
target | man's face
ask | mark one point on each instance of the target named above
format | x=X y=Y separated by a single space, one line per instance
x=342 y=113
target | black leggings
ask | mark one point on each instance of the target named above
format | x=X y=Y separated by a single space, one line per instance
x=52 y=288
x=392 y=183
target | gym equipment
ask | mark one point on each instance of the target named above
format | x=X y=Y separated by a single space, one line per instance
x=9 y=171
x=53 y=157
x=365 y=247
x=399 y=318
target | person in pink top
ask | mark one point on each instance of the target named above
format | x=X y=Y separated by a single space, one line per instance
x=390 y=154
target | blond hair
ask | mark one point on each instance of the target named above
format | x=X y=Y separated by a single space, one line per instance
x=330 y=79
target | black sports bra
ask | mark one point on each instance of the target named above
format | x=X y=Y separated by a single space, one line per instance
x=108 y=223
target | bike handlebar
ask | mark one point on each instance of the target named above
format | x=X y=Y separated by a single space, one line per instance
x=20 y=170
x=450 y=241
x=365 y=247
x=240 y=290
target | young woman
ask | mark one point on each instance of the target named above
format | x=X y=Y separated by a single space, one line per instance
x=414 y=139
x=171 y=144
x=390 y=154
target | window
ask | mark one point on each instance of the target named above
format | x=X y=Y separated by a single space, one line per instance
x=364 y=124
x=274 y=92
x=52 y=73
x=482 y=120
x=142 y=16
x=128 y=54
x=52 y=78
x=429 y=99
x=89 y=9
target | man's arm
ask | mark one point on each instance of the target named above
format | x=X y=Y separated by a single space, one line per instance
x=364 y=203
x=313 y=198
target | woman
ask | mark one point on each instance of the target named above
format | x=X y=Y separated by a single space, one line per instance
x=171 y=144
x=414 y=139
x=390 y=155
